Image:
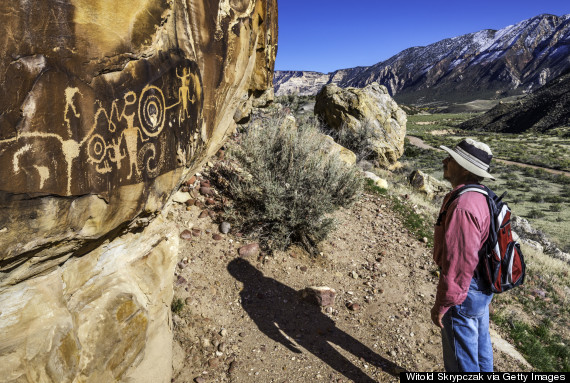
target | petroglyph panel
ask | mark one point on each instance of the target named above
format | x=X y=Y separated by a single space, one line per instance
x=112 y=134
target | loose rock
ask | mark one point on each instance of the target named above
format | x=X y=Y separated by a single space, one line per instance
x=190 y=181
x=249 y=251
x=320 y=296
x=353 y=306
x=181 y=197
x=225 y=227
x=186 y=234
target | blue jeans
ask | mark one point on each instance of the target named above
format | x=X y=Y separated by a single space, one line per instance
x=465 y=334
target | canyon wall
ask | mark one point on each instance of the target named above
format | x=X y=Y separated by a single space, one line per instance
x=107 y=107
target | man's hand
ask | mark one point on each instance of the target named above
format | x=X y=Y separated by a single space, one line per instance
x=436 y=316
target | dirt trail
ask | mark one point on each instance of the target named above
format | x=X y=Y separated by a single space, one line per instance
x=243 y=321
x=416 y=141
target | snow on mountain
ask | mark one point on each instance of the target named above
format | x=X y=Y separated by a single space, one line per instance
x=488 y=63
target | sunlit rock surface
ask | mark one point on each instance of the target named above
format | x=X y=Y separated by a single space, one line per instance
x=106 y=107
x=367 y=108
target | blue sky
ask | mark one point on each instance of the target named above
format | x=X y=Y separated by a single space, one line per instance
x=325 y=35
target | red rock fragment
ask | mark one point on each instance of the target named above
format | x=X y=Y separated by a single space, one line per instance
x=320 y=296
x=186 y=234
x=214 y=362
x=353 y=306
x=216 y=237
x=249 y=251
x=206 y=191
x=191 y=181
x=204 y=214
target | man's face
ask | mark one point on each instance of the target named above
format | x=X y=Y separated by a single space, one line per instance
x=451 y=169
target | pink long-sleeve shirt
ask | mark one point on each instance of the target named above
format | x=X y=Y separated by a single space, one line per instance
x=457 y=242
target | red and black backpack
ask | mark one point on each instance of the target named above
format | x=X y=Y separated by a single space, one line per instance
x=502 y=261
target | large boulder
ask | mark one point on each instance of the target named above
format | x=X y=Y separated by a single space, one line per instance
x=426 y=184
x=106 y=108
x=366 y=108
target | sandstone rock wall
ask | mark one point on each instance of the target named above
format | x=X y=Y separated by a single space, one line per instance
x=107 y=106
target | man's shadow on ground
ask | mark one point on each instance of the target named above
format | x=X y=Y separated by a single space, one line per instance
x=277 y=309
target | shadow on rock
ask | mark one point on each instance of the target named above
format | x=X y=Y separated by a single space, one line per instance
x=280 y=314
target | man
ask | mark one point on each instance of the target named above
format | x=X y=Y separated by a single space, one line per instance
x=461 y=306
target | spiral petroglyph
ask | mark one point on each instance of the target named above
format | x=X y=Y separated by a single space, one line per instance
x=152 y=112
x=97 y=148
x=149 y=158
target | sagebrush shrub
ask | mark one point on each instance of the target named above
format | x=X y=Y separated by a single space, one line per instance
x=289 y=184
x=535 y=213
x=361 y=141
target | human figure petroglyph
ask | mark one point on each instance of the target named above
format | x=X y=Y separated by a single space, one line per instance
x=105 y=154
x=190 y=86
x=184 y=94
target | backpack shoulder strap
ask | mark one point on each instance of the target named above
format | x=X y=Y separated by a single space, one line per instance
x=464 y=189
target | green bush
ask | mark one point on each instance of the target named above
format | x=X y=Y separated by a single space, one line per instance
x=553 y=199
x=556 y=207
x=411 y=151
x=177 y=305
x=513 y=184
x=535 y=213
x=414 y=222
x=289 y=184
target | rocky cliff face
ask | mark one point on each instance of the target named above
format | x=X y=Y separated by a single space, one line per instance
x=486 y=64
x=106 y=107
x=305 y=83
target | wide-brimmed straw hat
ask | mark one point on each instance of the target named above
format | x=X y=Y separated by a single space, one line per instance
x=473 y=156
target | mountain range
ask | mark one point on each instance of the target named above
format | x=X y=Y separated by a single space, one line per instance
x=487 y=64
x=544 y=109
